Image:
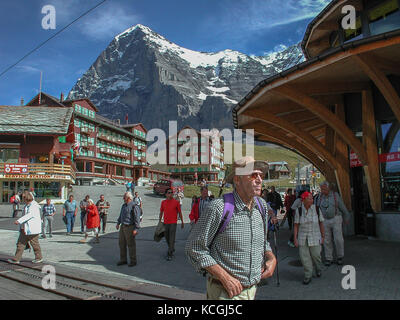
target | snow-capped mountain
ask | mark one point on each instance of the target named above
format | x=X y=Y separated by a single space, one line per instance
x=153 y=80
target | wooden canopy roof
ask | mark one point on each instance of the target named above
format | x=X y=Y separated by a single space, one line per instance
x=303 y=108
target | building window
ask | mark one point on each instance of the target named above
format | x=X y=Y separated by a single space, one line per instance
x=9 y=155
x=384 y=18
x=39 y=158
x=48 y=189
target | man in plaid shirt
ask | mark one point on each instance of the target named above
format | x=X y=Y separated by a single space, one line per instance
x=49 y=210
x=238 y=258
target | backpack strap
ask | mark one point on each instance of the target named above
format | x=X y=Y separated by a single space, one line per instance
x=229 y=206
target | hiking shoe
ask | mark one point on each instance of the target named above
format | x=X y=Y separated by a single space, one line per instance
x=328 y=263
x=13 y=261
x=306 y=281
x=339 y=261
x=120 y=263
x=37 y=261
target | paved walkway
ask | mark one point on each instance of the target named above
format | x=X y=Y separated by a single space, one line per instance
x=377 y=263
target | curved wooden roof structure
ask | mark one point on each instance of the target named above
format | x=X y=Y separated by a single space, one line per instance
x=303 y=108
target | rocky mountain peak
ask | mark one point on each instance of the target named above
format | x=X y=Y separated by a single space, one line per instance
x=141 y=74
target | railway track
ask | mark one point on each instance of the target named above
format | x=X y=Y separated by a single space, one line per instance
x=73 y=287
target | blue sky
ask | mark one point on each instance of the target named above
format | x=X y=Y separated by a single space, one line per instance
x=249 y=26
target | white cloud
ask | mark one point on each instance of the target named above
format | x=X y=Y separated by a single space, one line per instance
x=254 y=15
x=106 y=24
x=103 y=23
x=29 y=69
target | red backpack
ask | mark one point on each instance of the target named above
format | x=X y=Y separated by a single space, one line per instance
x=12 y=199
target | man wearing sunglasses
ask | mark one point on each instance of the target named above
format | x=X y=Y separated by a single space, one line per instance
x=239 y=257
x=170 y=208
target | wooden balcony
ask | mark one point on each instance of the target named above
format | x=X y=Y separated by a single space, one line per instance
x=40 y=171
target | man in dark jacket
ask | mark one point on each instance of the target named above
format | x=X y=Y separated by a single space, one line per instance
x=129 y=220
x=275 y=200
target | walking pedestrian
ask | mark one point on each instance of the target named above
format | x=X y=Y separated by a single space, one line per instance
x=240 y=256
x=102 y=207
x=200 y=205
x=69 y=211
x=129 y=220
x=170 y=208
x=289 y=200
x=333 y=209
x=30 y=227
x=92 y=221
x=309 y=236
x=139 y=202
x=275 y=200
x=15 y=201
x=49 y=210
x=83 y=205
x=128 y=186
x=221 y=187
x=133 y=185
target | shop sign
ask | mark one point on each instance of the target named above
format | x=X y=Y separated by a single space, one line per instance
x=389 y=157
x=15 y=168
x=35 y=176
x=354 y=161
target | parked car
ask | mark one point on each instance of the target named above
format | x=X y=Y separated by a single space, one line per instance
x=161 y=186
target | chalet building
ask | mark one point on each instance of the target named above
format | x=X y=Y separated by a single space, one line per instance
x=340 y=109
x=278 y=170
x=205 y=160
x=34 y=150
x=51 y=143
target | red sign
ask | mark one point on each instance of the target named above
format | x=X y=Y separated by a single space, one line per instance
x=389 y=157
x=15 y=168
x=354 y=161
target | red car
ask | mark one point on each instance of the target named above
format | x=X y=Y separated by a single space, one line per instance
x=161 y=186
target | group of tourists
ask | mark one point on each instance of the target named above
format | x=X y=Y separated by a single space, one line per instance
x=228 y=245
x=229 y=236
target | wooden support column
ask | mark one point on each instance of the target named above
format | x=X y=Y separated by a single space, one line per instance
x=371 y=171
x=371 y=67
x=343 y=172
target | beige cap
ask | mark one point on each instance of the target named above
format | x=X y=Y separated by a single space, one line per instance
x=247 y=165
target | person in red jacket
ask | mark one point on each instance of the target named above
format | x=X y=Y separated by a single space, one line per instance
x=92 y=220
x=199 y=206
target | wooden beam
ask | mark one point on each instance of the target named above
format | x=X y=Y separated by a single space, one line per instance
x=342 y=151
x=322 y=88
x=371 y=68
x=369 y=139
x=330 y=139
x=326 y=116
x=269 y=133
x=298 y=133
x=389 y=66
x=280 y=108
